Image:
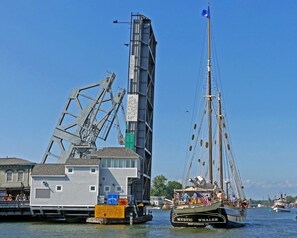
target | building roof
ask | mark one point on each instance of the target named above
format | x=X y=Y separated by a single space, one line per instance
x=48 y=169
x=59 y=169
x=15 y=161
x=115 y=152
x=108 y=152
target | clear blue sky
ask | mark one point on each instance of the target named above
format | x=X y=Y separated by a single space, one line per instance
x=47 y=48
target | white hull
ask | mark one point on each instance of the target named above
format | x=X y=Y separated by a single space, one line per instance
x=278 y=209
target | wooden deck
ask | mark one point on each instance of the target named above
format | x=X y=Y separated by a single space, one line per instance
x=14 y=209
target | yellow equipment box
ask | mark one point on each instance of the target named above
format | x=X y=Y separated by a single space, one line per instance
x=109 y=211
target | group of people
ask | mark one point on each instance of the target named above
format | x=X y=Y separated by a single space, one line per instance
x=197 y=198
x=8 y=198
x=18 y=197
x=207 y=199
x=185 y=198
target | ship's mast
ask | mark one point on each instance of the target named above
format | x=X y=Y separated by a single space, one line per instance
x=209 y=99
x=220 y=140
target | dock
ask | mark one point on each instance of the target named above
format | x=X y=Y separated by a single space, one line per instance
x=107 y=221
x=15 y=210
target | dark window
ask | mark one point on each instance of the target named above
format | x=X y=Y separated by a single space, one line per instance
x=9 y=176
x=58 y=188
x=93 y=170
x=20 y=176
x=92 y=188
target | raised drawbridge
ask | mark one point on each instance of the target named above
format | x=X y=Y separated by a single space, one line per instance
x=90 y=113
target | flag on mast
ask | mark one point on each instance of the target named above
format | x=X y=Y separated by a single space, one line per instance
x=206 y=13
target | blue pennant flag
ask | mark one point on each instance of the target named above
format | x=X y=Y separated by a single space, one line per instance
x=206 y=13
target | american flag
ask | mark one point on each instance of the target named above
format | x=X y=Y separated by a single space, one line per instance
x=204 y=199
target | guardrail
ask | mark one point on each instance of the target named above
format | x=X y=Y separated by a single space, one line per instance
x=14 y=204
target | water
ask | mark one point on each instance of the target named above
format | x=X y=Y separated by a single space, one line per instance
x=261 y=222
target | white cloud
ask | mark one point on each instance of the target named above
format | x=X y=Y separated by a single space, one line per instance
x=262 y=189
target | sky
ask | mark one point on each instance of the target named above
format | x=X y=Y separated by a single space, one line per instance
x=48 y=48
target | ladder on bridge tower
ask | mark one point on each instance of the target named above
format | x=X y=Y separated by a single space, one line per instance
x=85 y=118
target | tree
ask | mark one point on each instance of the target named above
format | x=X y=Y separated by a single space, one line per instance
x=291 y=199
x=160 y=187
x=171 y=185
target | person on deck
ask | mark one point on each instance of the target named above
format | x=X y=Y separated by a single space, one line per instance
x=186 y=198
x=195 y=198
x=220 y=196
x=233 y=200
x=9 y=198
x=175 y=199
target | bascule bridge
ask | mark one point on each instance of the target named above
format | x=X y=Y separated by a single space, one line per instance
x=91 y=111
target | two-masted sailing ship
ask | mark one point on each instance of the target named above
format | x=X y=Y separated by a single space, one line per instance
x=214 y=196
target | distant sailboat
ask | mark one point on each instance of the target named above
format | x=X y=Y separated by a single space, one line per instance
x=221 y=202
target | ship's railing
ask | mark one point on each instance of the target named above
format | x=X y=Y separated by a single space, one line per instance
x=14 y=204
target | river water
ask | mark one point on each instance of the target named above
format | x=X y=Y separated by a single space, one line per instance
x=261 y=222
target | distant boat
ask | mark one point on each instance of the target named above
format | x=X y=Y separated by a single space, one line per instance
x=166 y=207
x=281 y=205
x=208 y=202
x=154 y=208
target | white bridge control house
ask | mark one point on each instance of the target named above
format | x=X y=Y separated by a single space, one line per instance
x=74 y=188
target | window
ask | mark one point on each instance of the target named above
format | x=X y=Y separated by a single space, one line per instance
x=104 y=163
x=92 y=188
x=115 y=163
x=9 y=176
x=118 y=163
x=70 y=170
x=42 y=193
x=93 y=171
x=103 y=178
x=106 y=189
x=59 y=188
x=20 y=176
x=118 y=189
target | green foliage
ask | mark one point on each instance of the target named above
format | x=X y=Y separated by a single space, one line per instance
x=160 y=187
x=269 y=202
x=291 y=199
x=171 y=185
